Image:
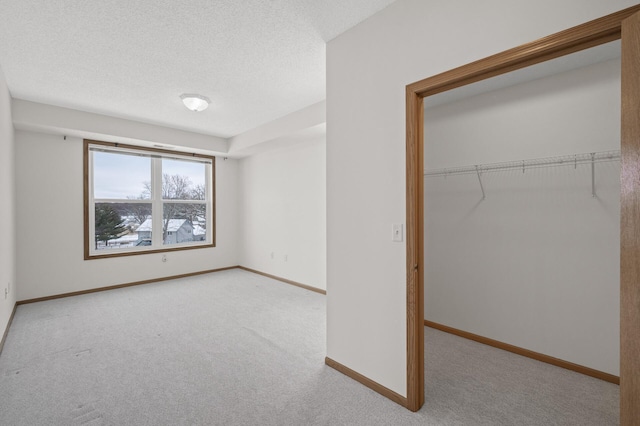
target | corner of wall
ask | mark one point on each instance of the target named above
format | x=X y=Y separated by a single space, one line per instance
x=282 y=195
x=7 y=210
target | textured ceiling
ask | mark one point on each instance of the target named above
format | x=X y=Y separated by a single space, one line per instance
x=257 y=60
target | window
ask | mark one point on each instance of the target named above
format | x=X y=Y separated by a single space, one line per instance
x=141 y=200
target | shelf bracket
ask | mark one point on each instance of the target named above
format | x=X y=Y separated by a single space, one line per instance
x=480 y=180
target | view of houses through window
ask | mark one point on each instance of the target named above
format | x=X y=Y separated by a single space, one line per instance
x=131 y=190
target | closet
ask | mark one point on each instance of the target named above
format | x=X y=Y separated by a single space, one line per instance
x=522 y=208
x=623 y=25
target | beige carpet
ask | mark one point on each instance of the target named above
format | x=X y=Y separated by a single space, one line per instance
x=235 y=348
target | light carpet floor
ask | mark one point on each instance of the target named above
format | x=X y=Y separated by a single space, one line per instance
x=235 y=348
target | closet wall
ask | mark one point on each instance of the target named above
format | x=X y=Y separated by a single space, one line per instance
x=536 y=263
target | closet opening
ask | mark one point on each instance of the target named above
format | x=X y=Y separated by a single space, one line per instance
x=486 y=173
x=522 y=211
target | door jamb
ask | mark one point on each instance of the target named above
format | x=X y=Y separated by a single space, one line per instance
x=590 y=34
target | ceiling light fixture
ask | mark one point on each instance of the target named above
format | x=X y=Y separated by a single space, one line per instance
x=195 y=102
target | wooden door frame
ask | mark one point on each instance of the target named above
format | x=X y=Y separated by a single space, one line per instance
x=590 y=34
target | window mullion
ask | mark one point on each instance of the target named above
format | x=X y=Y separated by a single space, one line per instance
x=156 y=197
x=209 y=201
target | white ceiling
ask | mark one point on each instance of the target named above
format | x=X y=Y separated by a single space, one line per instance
x=257 y=60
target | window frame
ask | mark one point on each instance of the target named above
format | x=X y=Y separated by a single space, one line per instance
x=156 y=201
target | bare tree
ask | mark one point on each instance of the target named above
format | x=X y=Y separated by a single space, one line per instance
x=146 y=192
x=139 y=212
x=195 y=211
x=198 y=192
x=178 y=187
x=174 y=187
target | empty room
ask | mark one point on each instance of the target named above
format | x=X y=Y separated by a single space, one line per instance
x=343 y=212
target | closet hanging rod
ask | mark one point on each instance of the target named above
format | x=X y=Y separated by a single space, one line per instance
x=565 y=160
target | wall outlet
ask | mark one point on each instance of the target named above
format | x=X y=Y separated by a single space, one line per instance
x=286 y=257
x=164 y=257
x=6 y=291
x=273 y=255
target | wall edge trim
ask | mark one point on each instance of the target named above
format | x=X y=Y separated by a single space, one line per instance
x=526 y=353
x=284 y=280
x=375 y=386
x=116 y=286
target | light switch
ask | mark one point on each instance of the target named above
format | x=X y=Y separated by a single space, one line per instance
x=397 y=232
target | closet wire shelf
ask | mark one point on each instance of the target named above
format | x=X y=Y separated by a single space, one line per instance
x=566 y=160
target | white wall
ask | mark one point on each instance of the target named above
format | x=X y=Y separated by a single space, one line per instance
x=7 y=208
x=283 y=211
x=537 y=263
x=49 y=200
x=367 y=70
